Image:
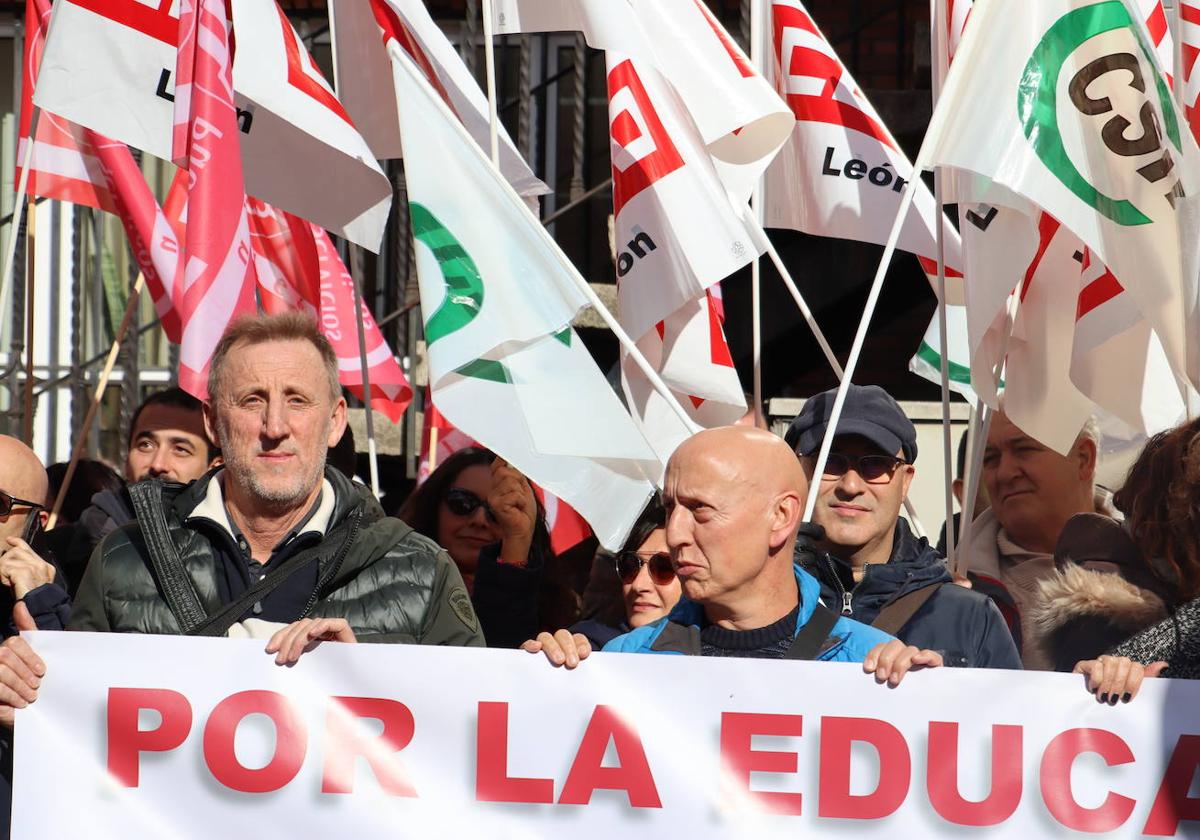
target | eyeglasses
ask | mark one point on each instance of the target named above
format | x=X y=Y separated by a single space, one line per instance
x=873 y=469
x=629 y=564
x=7 y=503
x=463 y=502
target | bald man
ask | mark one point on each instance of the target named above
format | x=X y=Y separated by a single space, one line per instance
x=734 y=497
x=23 y=489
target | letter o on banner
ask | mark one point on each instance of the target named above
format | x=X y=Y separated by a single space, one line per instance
x=291 y=742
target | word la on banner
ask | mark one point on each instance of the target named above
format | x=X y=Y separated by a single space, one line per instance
x=189 y=737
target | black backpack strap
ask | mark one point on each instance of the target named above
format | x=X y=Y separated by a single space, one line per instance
x=177 y=588
x=810 y=641
x=678 y=638
x=898 y=613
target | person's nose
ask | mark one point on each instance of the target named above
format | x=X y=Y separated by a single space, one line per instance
x=678 y=530
x=275 y=420
x=161 y=464
x=851 y=484
x=643 y=583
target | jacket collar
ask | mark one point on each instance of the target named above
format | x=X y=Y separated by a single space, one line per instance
x=347 y=496
x=212 y=508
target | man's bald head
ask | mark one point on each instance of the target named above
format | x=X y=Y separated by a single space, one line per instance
x=734 y=497
x=22 y=476
x=754 y=458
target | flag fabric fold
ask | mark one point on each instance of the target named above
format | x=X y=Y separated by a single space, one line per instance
x=362 y=31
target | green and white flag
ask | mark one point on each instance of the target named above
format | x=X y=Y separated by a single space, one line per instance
x=498 y=299
x=927 y=362
x=1062 y=103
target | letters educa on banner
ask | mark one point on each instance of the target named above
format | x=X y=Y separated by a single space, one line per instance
x=184 y=736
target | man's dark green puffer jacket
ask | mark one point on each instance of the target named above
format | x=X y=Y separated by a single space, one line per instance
x=389 y=582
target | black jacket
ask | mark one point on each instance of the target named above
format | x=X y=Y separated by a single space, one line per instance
x=108 y=511
x=390 y=583
x=963 y=625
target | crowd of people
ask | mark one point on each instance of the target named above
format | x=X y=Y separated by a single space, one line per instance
x=240 y=517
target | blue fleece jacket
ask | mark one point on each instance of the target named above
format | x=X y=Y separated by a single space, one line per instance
x=852 y=641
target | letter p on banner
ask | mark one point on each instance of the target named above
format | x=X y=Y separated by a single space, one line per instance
x=127 y=741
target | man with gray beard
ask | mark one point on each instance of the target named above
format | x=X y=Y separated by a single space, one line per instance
x=274 y=542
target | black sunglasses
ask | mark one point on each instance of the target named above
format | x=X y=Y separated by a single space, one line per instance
x=7 y=503
x=629 y=564
x=874 y=469
x=462 y=502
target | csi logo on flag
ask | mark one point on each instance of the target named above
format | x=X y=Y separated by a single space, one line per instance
x=1112 y=82
x=642 y=151
x=811 y=77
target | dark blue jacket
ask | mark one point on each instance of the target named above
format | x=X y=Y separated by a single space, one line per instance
x=964 y=626
x=849 y=641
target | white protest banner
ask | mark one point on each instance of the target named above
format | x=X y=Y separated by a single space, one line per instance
x=188 y=737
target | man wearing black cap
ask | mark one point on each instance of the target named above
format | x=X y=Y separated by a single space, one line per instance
x=870 y=565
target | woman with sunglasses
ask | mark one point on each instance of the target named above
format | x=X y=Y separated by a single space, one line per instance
x=484 y=513
x=649 y=587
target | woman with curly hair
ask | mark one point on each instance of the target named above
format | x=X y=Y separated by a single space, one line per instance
x=1161 y=503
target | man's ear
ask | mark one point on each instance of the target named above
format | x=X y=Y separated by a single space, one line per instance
x=910 y=472
x=337 y=425
x=785 y=518
x=43 y=516
x=210 y=422
x=1087 y=459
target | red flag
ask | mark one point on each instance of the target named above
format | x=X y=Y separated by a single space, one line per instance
x=298 y=267
x=61 y=166
x=217 y=283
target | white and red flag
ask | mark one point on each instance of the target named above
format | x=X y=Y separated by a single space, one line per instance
x=298 y=267
x=217 y=280
x=842 y=173
x=1189 y=48
x=737 y=114
x=62 y=165
x=110 y=66
x=361 y=31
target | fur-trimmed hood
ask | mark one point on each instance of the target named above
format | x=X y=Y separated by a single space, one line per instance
x=1081 y=613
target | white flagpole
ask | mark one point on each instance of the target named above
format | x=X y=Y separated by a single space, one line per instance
x=860 y=336
x=977 y=432
x=944 y=352
x=489 y=60
x=372 y=452
x=756 y=60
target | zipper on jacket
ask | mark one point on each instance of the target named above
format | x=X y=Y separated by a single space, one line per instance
x=356 y=519
x=847 y=597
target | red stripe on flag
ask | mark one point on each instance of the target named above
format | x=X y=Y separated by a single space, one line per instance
x=301 y=80
x=809 y=62
x=739 y=61
x=716 y=336
x=1097 y=293
x=1047 y=227
x=1157 y=24
x=1190 y=14
x=157 y=23
x=395 y=29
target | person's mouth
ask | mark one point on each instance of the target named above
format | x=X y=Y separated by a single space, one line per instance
x=642 y=606
x=849 y=510
x=1012 y=494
